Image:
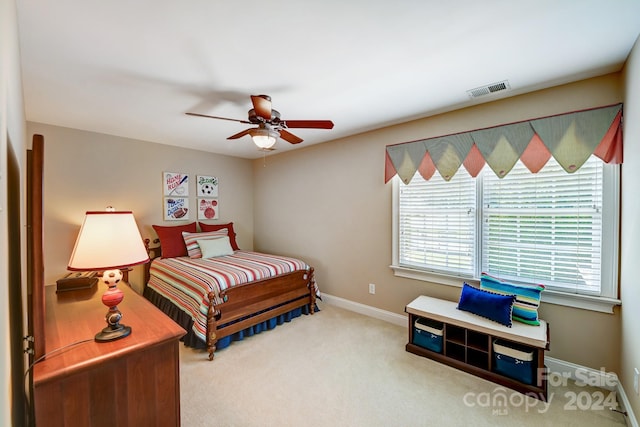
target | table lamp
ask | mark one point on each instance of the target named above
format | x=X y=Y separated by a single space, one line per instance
x=109 y=240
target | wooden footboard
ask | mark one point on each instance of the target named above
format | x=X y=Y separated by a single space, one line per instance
x=268 y=298
x=247 y=305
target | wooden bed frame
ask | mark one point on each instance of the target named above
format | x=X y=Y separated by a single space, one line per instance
x=251 y=303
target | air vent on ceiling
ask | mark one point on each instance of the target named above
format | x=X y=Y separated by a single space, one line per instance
x=489 y=89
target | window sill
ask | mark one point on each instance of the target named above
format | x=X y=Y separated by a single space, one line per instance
x=427 y=276
x=585 y=302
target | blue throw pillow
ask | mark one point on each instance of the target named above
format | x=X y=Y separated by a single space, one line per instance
x=492 y=306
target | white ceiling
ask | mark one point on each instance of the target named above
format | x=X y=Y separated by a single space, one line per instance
x=133 y=68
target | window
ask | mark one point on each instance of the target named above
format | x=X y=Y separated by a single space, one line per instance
x=552 y=227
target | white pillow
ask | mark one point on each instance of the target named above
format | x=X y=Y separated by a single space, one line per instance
x=191 y=240
x=212 y=248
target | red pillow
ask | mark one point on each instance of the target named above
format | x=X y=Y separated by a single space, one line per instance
x=216 y=227
x=171 y=239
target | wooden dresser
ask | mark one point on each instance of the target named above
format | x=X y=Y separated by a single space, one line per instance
x=134 y=381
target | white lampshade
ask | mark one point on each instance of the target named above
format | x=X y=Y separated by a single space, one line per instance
x=108 y=240
x=264 y=138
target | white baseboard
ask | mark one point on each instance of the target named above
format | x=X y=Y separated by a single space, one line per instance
x=606 y=380
x=601 y=378
x=625 y=405
x=367 y=310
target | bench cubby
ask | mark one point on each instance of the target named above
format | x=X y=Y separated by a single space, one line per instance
x=468 y=343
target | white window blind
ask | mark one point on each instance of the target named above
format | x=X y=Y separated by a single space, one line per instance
x=545 y=227
x=437 y=225
x=552 y=227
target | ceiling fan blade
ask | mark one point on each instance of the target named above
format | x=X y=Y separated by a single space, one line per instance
x=289 y=137
x=216 y=117
x=309 y=124
x=240 y=134
x=262 y=106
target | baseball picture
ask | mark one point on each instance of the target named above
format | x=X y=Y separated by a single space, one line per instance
x=175 y=184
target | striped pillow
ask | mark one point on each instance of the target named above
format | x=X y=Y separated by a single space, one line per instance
x=525 y=307
x=191 y=240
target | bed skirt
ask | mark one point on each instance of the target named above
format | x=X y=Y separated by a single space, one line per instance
x=192 y=340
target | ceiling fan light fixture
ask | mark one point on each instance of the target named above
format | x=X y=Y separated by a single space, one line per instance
x=264 y=138
x=270 y=126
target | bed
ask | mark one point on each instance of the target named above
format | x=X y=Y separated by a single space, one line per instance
x=220 y=293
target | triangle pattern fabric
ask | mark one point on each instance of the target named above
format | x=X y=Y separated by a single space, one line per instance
x=570 y=138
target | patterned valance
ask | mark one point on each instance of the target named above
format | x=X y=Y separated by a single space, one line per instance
x=570 y=138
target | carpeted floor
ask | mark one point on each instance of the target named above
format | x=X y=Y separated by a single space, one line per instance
x=339 y=368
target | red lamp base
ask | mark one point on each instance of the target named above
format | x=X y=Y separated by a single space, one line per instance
x=111 y=298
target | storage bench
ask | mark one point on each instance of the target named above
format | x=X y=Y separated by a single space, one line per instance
x=480 y=346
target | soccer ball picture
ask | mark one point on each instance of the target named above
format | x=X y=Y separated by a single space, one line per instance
x=207 y=186
x=208 y=189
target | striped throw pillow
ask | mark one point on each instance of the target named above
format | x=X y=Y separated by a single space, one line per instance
x=191 y=241
x=525 y=307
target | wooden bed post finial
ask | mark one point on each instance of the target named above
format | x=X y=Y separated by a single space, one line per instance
x=312 y=291
x=212 y=313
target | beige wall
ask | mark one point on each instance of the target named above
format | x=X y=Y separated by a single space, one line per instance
x=12 y=142
x=329 y=205
x=630 y=245
x=89 y=171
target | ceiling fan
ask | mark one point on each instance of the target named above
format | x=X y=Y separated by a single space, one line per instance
x=270 y=125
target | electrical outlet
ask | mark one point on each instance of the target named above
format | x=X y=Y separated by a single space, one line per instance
x=636 y=374
x=372 y=288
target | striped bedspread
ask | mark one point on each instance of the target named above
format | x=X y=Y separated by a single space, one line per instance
x=186 y=282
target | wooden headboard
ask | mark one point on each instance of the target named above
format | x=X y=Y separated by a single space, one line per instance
x=154 y=252
x=35 y=247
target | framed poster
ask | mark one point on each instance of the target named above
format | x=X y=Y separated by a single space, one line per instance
x=175 y=184
x=207 y=186
x=176 y=208
x=208 y=209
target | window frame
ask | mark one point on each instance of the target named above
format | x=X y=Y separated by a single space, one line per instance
x=608 y=297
